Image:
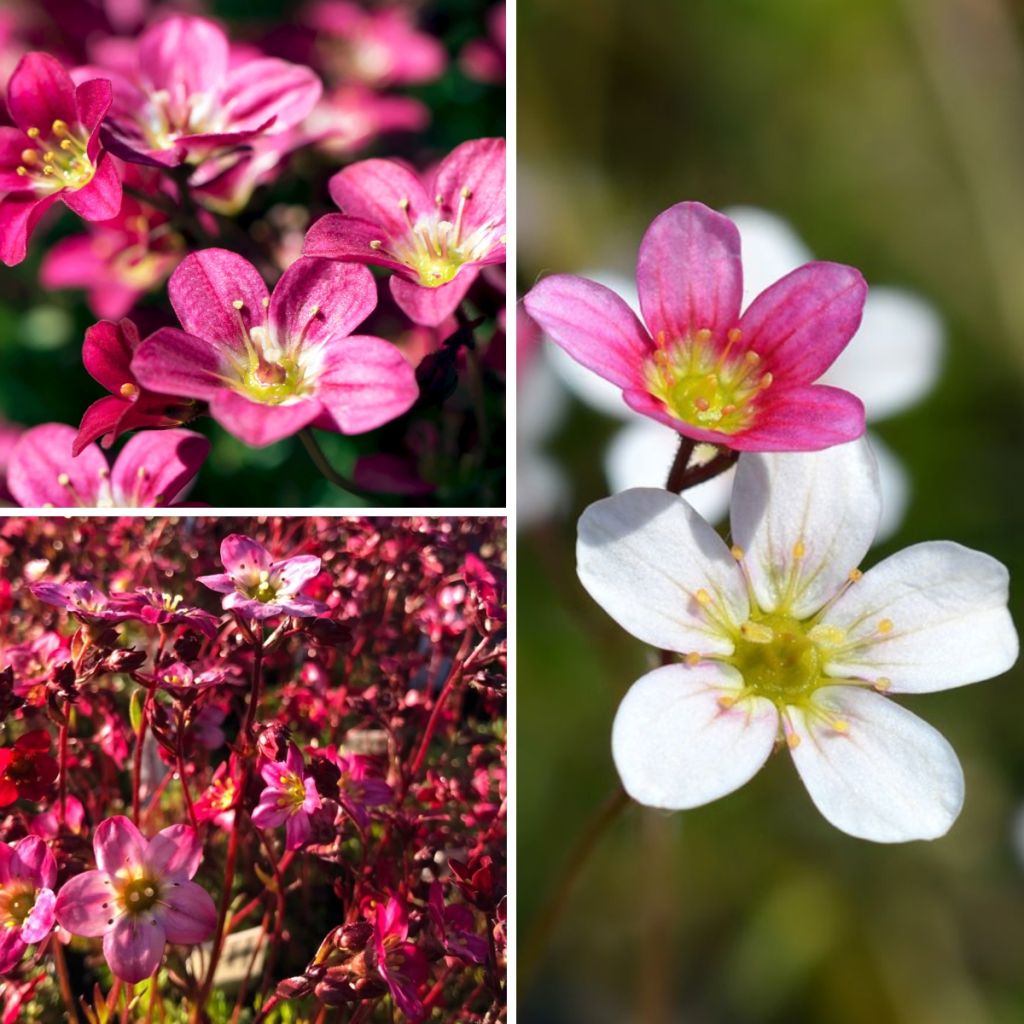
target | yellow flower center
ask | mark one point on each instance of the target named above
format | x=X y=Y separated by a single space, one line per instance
x=138 y=894
x=56 y=160
x=16 y=903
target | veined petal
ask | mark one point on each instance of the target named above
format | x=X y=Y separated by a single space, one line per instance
x=801 y=323
x=679 y=742
x=107 y=352
x=592 y=324
x=688 y=273
x=384 y=192
x=40 y=462
x=269 y=89
x=93 y=99
x=183 y=55
x=930 y=617
x=85 y=904
x=801 y=419
x=190 y=915
x=101 y=198
x=296 y=571
x=39 y=922
x=257 y=424
x=175 y=363
x=155 y=466
x=175 y=853
x=118 y=844
x=338 y=237
x=34 y=862
x=320 y=300
x=479 y=166
x=134 y=947
x=20 y=212
x=661 y=572
x=243 y=557
x=804 y=521
x=430 y=307
x=40 y=91
x=887 y=775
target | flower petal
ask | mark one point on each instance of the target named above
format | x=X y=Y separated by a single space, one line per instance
x=257 y=424
x=85 y=904
x=20 y=212
x=688 y=273
x=12 y=948
x=342 y=295
x=676 y=746
x=40 y=91
x=155 y=466
x=93 y=98
x=190 y=915
x=101 y=198
x=337 y=237
x=39 y=922
x=801 y=419
x=592 y=324
x=42 y=459
x=183 y=56
x=364 y=383
x=479 y=167
x=33 y=862
x=244 y=558
x=269 y=90
x=134 y=947
x=649 y=560
x=801 y=323
x=295 y=572
x=107 y=353
x=384 y=192
x=888 y=776
x=175 y=363
x=930 y=617
x=430 y=307
x=804 y=521
x=118 y=844
x=175 y=853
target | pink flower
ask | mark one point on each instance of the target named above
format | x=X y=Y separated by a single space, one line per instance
x=456 y=928
x=120 y=259
x=380 y=48
x=107 y=355
x=747 y=381
x=258 y=587
x=82 y=599
x=53 y=153
x=158 y=608
x=350 y=117
x=288 y=799
x=152 y=470
x=27 y=875
x=179 y=680
x=271 y=365
x=484 y=59
x=360 y=786
x=185 y=100
x=34 y=662
x=435 y=233
x=27 y=769
x=403 y=966
x=140 y=896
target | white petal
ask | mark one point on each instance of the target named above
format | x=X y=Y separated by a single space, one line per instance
x=895 y=485
x=804 y=521
x=889 y=776
x=676 y=746
x=646 y=557
x=895 y=357
x=541 y=400
x=943 y=615
x=542 y=492
x=641 y=454
x=770 y=247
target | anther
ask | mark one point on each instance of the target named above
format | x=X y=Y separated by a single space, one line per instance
x=703 y=335
x=22 y=171
x=885 y=626
x=128 y=390
x=238 y=304
x=265 y=302
x=33 y=133
x=855 y=574
x=63 y=480
x=765 y=381
x=403 y=203
x=757 y=632
x=882 y=684
x=734 y=335
x=840 y=725
x=29 y=156
x=792 y=740
x=703 y=598
x=702 y=403
x=376 y=244
x=692 y=659
x=799 y=549
x=466 y=192
x=726 y=702
x=737 y=552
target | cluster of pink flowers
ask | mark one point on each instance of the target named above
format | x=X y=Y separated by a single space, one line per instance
x=157 y=130
x=286 y=743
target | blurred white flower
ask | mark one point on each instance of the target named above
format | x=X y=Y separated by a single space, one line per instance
x=892 y=362
x=782 y=638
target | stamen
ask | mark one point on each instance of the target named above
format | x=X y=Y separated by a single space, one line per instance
x=855 y=574
x=882 y=684
x=885 y=626
x=799 y=550
x=737 y=552
x=128 y=390
x=757 y=632
x=692 y=659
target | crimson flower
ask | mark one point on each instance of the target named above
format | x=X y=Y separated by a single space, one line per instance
x=27 y=770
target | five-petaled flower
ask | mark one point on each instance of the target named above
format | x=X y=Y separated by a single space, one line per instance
x=257 y=586
x=401 y=964
x=28 y=872
x=270 y=365
x=27 y=769
x=746 y=382
x=140 y=897
x=782 y=636
x=54 y=152
x=288 y=799
x=435 y=233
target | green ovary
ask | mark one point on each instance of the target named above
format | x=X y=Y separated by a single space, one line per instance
x=273 y=383
x=138 y=895
x=778 y=660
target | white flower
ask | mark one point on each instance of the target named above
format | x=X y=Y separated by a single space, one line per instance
x=892 y=362
x=783 y=639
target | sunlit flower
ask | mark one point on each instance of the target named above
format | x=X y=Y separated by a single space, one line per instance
x=159 y=608
x=289 y=798
x=27 y=876
x=746 y=382
x=140 y=897
x=782 y=637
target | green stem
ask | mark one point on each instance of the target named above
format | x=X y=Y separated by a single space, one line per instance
x=328 y=472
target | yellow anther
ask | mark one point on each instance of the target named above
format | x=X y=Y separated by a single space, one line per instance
x=33 y=133
x=728 y=410
x=702 y=403
x=22 y=171
x=765 y=381
x=29 y=156
x=264 y=576
x=50 y=156
x=65 y=144
x=792 y=740
x=885 y=626
x=734 y=334
x=265 y=301
x=737 y=552
x=63 y=479
x=840 y=725
x=703 y=335
x=855 y=574
x=466 y=192
x=128 y=390
x=757 y=632
x=141 y=472
x=439 y=199
x=831 y=635
x=404 y=203
x=692 y=659
x=752 y=357
x=314 y=310
x=59 y=127
x=238 y=304
x=703 y=598
x=47 y=169
x=882 y=684
x=376 y=244
x=799 y=549
x=726 y=702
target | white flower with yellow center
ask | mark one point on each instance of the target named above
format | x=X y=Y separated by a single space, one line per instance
x=782 y=639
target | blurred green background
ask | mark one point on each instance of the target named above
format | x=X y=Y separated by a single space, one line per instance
x=42 y=379
x=891 y=136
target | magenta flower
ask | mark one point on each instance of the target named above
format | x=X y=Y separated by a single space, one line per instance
x=140 y=897
x=257 y=587
x=435 y=233
x=158 y=608
x=352 y=116
x=107 y=355
x=360 y=786
x=747 y=381
x=185 y=97
x=153 y=469
x=402 y=966
x=271 y=365
x=82 y=599
x=290 y=797
x=54 y=151
x=34 y=662
x=456 y=927
x=484 y=59
x=27 y=875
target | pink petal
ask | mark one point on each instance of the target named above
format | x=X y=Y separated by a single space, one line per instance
x=297 y=831
x=257 y=424
x=184 y=56
x=41 y=456
x=803 y=419
x=203 y=289
x=93 y=99
x=100 y=419
x=338 y=237
x=375 y=190
x=175 y=853
x=343 y=293
x=647 y=405
x=118 y=844
x=6 y=856
x=155 y=466
x=73 y=263
x=101 y=198
x=12 y=948
x=243 y=557
x=20 y=212
x=294 y=573
x=40 y=92
x=190 y=915
x=134 y=947
x=432 y=306
x=107 y=353
x=801 y=323
x=12 y=145
x=33 y=862
x=268 y=813
x=221 y=582
x=175 y=363
x=365 y=382
x=688 y=273
x=270 y=90
x=40 y=920
x=593 y=325
x=478 y=165
x=85 y=904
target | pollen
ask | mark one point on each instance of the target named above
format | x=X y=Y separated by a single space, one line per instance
x=840 y=725
x=885 y=626
x=792 y=740
x=726 y=702
x=376 y=244
x=692 y=659
x=855 y=575
x=238 y=304
x=128 y=390
x=737 y=552
x=702 y=597
x=799 y=549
